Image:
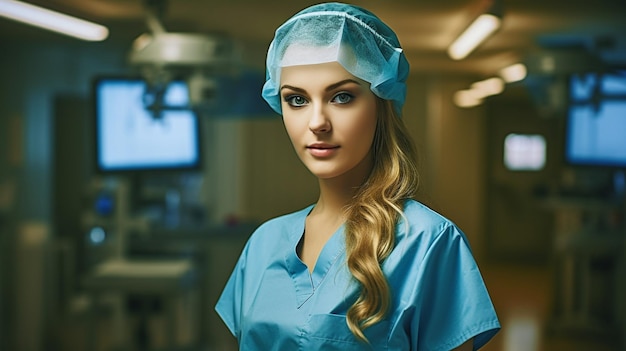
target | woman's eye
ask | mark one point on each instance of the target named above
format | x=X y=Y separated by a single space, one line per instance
x=295 y=100
x=343 y=98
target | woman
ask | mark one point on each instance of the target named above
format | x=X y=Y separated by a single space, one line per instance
x=365 y=267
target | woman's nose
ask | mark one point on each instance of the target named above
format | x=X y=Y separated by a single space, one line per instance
x=319 y=122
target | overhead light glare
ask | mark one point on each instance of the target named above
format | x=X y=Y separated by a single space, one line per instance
x=478 y=91
x=476 y=33
x=53 y=21
x=488 y=87
x=514 y=73
x=466 y=98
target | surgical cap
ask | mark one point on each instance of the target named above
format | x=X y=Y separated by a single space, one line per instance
x=333 y=32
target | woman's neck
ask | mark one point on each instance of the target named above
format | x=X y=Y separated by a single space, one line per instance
x=335 y=194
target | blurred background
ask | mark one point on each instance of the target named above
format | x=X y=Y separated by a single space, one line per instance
x=136 y=161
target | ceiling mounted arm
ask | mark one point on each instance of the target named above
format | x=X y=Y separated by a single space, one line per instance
x=154 y=15
x=161 y=57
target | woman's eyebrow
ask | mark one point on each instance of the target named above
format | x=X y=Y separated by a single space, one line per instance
x=290 y=87
x=328 y=88
x=340 y=83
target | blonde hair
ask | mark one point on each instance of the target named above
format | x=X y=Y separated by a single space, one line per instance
x=373 y=214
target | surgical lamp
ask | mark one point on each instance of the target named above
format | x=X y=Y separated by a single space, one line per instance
x=162 y=56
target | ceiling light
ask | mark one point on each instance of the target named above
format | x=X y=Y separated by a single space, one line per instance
x=476 y=33
x=514 y=73
x=51 y=20
x=478 y=91
x=488 y=87
x=467 y=98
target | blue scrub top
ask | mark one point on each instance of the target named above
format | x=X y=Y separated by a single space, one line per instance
x=439 y=300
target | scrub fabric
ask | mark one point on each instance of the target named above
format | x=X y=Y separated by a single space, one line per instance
x=439 y=300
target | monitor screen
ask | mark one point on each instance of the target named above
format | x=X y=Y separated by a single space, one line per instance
x=130 y=137
x=596 y=120
x=524 y=152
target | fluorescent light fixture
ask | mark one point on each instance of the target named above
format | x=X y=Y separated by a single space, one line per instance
x=514 y=73
x=467 y=98
x=51 y=20
x=488 y=87
x=475 y=34
x=478 y=91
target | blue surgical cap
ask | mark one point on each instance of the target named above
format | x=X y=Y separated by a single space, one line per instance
x=334 y=32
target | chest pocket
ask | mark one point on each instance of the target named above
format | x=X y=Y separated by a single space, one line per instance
x=330 y=332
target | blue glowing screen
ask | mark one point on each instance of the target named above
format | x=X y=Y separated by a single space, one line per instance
x=130 y=136
x=596 y=121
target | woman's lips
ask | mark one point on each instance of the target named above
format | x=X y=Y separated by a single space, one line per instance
x=322 y=149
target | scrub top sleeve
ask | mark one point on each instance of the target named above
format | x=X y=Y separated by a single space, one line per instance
x=229 y=305
x=456 y=305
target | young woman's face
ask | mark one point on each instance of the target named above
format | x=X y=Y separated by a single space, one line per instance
x=330 y=116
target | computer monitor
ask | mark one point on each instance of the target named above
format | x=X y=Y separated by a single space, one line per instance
x=596 y=120
x=131 y=137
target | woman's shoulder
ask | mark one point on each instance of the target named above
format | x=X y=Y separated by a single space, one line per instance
x=422 y=230
x=417 y=213
x=423 y=223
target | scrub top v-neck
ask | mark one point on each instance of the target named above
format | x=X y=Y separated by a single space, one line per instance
x=273 y=302
x=307 y=282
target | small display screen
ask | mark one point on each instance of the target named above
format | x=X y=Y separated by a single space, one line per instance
x=524 y=152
